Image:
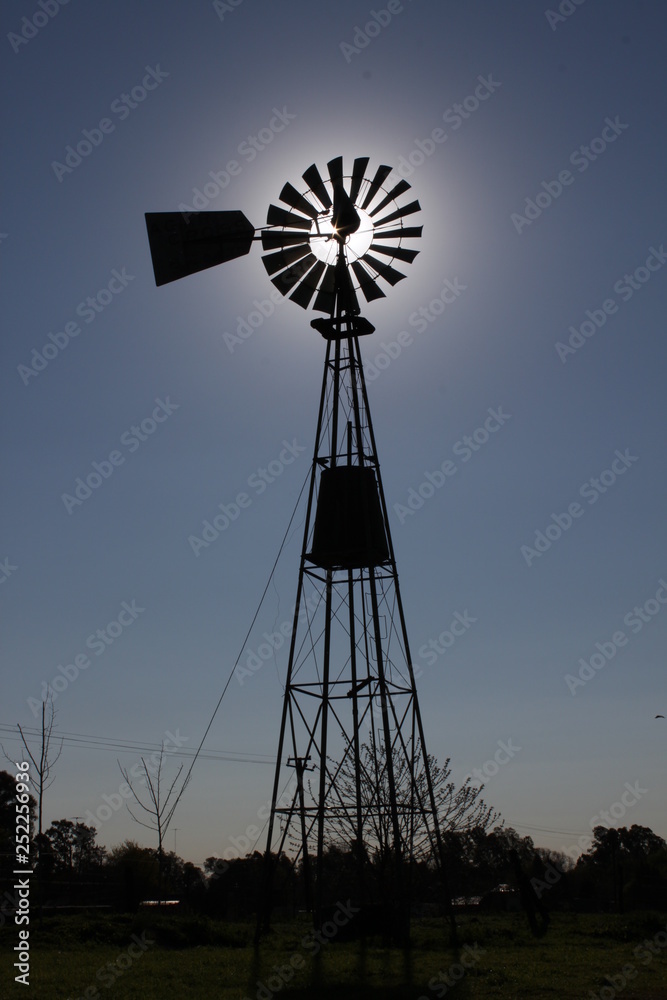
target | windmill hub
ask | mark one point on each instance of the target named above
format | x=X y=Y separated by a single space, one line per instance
x=327 y=237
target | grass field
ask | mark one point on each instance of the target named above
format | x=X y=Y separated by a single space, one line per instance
x=125 y=958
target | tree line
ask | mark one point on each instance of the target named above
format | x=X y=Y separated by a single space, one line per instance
x=487 y=866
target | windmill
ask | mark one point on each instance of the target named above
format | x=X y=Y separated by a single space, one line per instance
x=351 y=735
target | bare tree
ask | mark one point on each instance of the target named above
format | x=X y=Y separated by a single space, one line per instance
x=157 y=808
x=43 y=759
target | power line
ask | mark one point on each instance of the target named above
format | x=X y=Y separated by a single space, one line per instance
x=546 y=829
x=233 y=670
x=83 y=741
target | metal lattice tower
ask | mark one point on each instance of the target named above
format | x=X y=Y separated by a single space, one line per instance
x=351 y=747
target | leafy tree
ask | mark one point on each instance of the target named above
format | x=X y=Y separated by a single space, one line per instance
x=72 y=848
x=640 y=842
x=134 y=873
x=183 y=880
x=215 y=867
x=559 y=860
x=193 y=884
x=621 y=844
x=620 y=859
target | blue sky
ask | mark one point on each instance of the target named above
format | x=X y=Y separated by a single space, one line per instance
x=543 y=207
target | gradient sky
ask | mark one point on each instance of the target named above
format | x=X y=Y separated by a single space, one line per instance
x=219 y=72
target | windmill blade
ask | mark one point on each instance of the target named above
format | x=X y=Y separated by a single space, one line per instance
x=283 y=258
x=398 y=252
x=414 y=206
x=385 y=271
x=380 y=175
x=335 y=168
x=288 y=279
x=179 y=247
x=305 y=291
x=369 y=285
x=279 y=217
x=404 y=232
x=358 y=171
x=326 y=301
x=316 y=184
x=392 y=196
x=291 y=196
x=275 y=239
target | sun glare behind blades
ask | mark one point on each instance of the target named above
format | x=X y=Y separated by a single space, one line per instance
x=325 y=247
x=368 y=214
